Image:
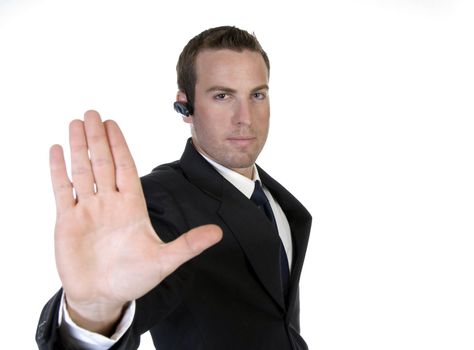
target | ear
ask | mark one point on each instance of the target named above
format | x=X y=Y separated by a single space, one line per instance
x=181 y=97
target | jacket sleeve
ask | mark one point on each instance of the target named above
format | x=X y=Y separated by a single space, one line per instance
x=47 y=331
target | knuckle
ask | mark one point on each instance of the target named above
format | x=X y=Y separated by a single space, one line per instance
x=63 y=186
x=80 y=170
x=101 y=162
x=78 y=147
x=125 y=165
x=95 y=138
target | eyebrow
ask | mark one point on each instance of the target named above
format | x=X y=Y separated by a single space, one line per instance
x=230 y=90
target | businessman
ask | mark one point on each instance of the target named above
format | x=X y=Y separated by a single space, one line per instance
x=205 y=252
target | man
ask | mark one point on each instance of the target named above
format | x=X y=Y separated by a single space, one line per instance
x=120 y=280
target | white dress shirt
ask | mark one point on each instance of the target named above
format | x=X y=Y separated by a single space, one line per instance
x=75 y=337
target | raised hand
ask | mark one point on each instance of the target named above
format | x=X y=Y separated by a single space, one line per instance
x=107 y=252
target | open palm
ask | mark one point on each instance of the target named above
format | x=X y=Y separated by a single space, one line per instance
x=107 y=252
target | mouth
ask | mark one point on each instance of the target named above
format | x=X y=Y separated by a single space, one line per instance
x=242 y=140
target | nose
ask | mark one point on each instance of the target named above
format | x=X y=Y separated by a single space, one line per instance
x=243 y=113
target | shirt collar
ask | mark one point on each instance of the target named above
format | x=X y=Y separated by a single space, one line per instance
x=242 y=183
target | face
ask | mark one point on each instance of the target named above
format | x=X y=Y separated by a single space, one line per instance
x=231 y=107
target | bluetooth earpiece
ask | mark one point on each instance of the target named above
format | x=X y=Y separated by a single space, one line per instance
x=183 y=108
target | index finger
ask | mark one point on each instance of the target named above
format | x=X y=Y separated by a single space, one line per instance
x=126 y=174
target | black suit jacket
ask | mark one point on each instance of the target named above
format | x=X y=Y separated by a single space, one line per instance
x=229 y=297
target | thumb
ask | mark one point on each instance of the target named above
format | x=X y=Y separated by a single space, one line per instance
x=187 y=246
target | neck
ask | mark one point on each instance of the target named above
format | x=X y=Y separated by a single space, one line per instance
x=247 y=172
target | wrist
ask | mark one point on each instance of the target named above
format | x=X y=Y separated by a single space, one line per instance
x=96 y=317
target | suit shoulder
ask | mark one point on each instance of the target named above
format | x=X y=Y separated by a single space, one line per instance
x=162 y=184
x=164 y=174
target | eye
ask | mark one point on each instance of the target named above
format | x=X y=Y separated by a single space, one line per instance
x=221 y=96
x=259 y=95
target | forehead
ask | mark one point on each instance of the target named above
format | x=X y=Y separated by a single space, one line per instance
x=230 y=68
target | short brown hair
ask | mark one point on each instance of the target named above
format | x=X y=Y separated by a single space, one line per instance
x=225 y=37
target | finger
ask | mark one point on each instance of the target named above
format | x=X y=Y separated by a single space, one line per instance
x=81 y=171
x=100 y=154
x=126 y=175
x=62 y=187
x=187 y=246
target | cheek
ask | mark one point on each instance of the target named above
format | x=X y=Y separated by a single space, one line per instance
x=213 y=120
x=207 y=129
x=263 y=122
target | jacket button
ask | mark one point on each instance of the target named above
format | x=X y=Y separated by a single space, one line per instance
x=40 y=331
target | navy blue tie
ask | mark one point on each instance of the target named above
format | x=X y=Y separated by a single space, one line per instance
x=261 y=200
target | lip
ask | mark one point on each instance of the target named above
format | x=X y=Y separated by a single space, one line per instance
x=242 y=140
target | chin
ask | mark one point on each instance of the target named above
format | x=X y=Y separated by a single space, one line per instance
x=240 y=163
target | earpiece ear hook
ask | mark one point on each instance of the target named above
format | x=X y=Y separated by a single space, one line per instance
x=182 y=108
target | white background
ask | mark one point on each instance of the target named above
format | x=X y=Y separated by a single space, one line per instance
x=372 y=128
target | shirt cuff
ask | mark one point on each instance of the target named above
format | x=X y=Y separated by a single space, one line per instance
x=75 y=337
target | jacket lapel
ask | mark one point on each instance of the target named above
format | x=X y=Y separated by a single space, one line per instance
x=256 y=236
x=300 y=224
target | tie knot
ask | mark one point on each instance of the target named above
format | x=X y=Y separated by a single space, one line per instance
x=261 y=200
x=258 y=196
